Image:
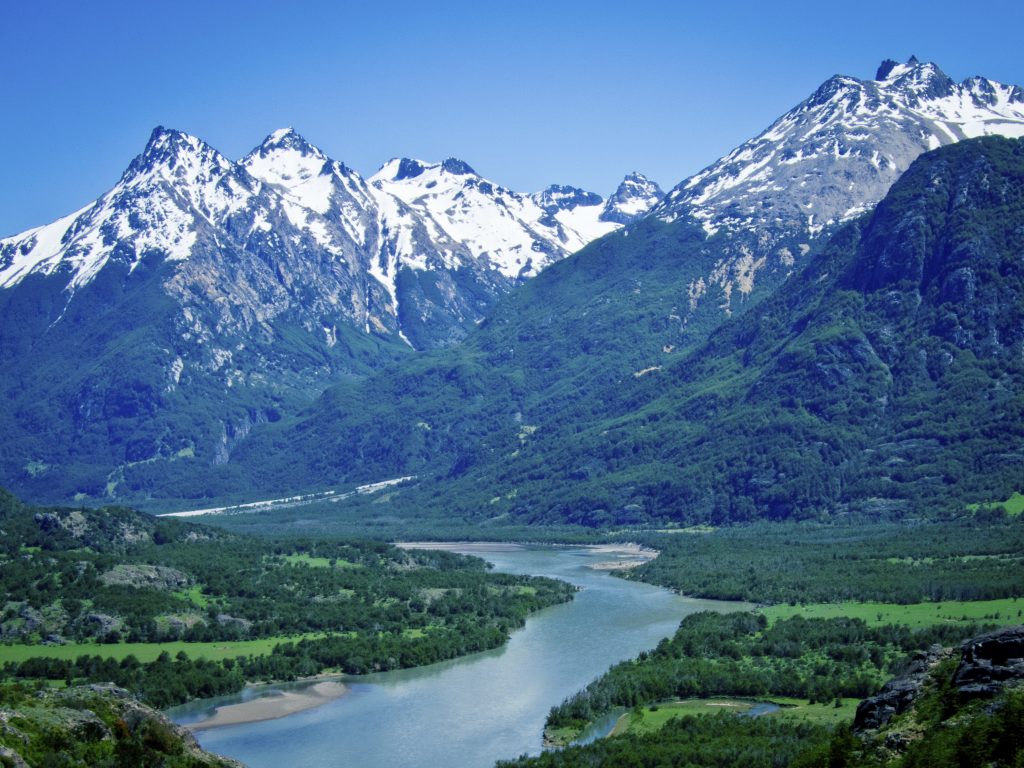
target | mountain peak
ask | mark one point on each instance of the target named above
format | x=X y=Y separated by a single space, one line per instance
x=887 y=66
x=164 y=142
x=919 y=81
x=406 y=168
x=890 y=71
x=286 y=159
x=635 y=196
x=168 y=147
x=559 y=197
x=457 y=167
x=289 y=139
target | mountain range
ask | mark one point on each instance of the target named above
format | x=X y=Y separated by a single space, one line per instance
x=416 y=252
x=148 y=340
x=200 y=297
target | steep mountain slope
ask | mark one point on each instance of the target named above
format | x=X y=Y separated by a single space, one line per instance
x=354 y=290
x=830 y=158
x=886 y=378
x=85 y=726
x=200 y=297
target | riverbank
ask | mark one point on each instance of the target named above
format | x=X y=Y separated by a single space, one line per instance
x=623 y=556
x=273 y=705
x=465 y=547
x=433 y=715
x=619 y=556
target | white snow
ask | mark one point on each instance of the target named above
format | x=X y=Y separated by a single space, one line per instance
x=37 y=249
x=841 y=126
x=184 y=189
x=493 y=222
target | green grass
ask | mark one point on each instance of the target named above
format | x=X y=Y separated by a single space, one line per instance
x=194 y=595
x=1005 y=611
x=824 y=714
x=643 y=720
x=317 y=562
x=1014 y=505
x=145 y=652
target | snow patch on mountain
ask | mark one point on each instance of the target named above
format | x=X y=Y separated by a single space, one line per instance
x=176 y=185
x=419 y=252
x=635 y=196
x=829 y=159
x=836 y=154
x=518 y=234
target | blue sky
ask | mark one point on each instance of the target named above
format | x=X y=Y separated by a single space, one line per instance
x=529 y=93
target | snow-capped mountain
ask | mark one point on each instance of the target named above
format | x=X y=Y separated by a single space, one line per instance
x=163 y=202
x=323 y=232
x=519 y=234
x=636 y=196
x=830 y=158
x=201 y=296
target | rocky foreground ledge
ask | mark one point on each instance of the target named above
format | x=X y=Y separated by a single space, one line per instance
x=988 y=665
x=93 y=725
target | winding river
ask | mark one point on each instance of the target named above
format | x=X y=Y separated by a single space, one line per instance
x=471 y=711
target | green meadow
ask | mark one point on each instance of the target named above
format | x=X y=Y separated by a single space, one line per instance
x=1005 y=611
x=146 y=652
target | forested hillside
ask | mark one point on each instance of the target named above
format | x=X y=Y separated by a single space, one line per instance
x=886 y=378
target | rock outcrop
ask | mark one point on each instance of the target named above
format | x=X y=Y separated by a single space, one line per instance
x=988 y=664
x=96 y=722
x=899 y=694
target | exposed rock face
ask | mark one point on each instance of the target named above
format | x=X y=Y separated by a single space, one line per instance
x=635 y=196
x=829 y=159
x=989 y=662
x=153 y=576
x=898 y=694
x=101 y=624
x=86 y=717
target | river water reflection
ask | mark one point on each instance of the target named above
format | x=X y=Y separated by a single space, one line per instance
x=471 y=711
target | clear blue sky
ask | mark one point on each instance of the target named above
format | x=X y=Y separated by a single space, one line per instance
x=529 y=93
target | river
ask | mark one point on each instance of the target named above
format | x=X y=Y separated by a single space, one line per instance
x=472 y=711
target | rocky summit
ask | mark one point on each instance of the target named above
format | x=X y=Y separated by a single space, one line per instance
x=829 y=159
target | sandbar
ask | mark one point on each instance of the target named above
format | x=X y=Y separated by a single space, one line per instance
x=467 y=547
x=272 y=706
x=628 y=556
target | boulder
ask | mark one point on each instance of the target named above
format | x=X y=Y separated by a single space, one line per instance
x=898 y=694
x=990 y=662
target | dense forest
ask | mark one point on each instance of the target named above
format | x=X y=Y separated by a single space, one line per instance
x=707 y=741
x=742 y=655
x=115 y=575
x=972 y=557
